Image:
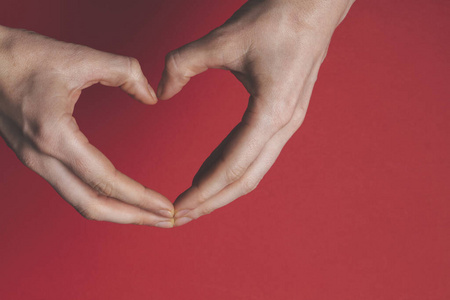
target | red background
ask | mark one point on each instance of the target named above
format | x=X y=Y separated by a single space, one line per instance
x=356 y=207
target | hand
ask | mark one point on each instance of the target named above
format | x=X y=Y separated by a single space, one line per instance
x=275 y=48
x=41 y=79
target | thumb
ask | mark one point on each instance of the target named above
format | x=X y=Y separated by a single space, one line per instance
x=188 y=61
x=120 y=71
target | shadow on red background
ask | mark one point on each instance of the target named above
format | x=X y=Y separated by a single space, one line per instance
x=356 y=207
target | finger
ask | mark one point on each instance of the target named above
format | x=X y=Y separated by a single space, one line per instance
x=87 y=201
x=118 y=71
x=68 y=144
x=250 y=180
x=236 y=153
x=95 y=206
x=211 y=51
x=255 y=172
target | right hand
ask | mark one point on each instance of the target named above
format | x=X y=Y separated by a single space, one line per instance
x=41 y=79
x=275 y=49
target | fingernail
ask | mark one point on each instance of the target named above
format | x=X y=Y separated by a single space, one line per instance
x=181 y=213
x=166 y=213
x=152 y=92
x=165 y=224
x=182 y=221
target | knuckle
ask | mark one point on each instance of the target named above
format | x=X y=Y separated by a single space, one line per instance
x=143 y=197
x=201 y=197
x=140 y=219
x=279 y=121
x=172 y=62
x=275 y=114
x=44 y=135
x=206 y=210
x=27 y=157
x=298 y=118
x=134 y=66
x=48 y=134
x=89 y=212
x=249 y=184
x=105 y=187
x=233 y=173
x=282 y=113
x=82 y=166
x=177 y=67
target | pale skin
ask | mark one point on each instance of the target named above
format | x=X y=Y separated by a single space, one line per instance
x=40 y=81
x=274 y=47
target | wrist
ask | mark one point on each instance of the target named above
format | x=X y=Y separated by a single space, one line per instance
x=324 y=15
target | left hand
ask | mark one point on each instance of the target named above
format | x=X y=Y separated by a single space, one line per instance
x=41 y=80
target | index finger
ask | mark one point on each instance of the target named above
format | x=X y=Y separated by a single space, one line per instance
x=72 y=148
x=231 y=159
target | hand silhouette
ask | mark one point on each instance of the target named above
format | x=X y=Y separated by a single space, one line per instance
x=41 y=79
x=275 y=48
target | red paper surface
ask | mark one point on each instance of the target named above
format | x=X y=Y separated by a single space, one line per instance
x=356 y=207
